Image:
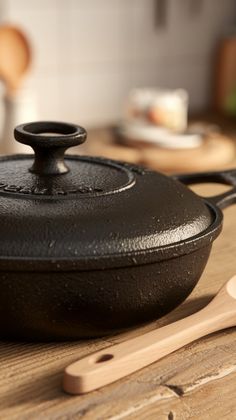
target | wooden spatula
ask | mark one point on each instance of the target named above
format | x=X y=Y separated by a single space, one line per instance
x=15 y=56
x=115 y=362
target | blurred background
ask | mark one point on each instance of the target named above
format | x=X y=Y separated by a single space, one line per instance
x=154 y=81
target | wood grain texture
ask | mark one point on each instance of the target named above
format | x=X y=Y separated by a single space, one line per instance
x=197 y=381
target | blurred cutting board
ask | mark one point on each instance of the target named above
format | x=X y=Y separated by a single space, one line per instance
x=216 y=152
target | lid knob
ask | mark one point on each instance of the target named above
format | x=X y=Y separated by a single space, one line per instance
x=49 y=140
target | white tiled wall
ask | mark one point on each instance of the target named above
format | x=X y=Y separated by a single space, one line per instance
x=89 y=53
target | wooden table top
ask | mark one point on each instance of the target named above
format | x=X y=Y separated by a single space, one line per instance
x=197 y=381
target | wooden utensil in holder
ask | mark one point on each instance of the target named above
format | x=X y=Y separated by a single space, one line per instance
x=18 y=105
x=15 y=57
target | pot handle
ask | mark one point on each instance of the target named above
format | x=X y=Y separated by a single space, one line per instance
x=227 y=177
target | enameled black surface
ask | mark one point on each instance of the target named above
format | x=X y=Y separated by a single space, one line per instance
x=89 y=246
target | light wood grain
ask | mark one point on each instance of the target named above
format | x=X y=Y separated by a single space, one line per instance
x=197 y=381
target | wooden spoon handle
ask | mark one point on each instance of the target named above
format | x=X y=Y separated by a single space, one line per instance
x=115 y=362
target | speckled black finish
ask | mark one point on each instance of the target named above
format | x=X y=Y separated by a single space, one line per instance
x=99 y=214
x=89 y=245
x=71 y=305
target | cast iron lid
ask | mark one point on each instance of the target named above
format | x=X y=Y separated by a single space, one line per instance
x=89 y=212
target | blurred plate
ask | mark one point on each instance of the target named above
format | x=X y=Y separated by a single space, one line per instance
x=160 y=136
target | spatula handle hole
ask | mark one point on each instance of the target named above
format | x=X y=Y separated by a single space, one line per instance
x=104 y=358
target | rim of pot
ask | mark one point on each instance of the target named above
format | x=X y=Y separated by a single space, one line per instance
x=112 y=261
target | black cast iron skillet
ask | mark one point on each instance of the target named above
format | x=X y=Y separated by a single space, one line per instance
x=89 y=246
